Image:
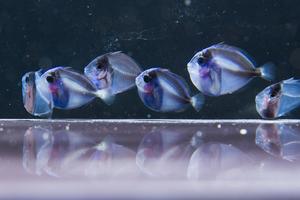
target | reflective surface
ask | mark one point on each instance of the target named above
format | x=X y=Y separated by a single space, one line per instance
x=148 y=159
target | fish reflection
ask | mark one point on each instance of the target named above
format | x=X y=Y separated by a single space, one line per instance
x=279 y=140
x=215 y=159
x=165 y=153
x=106 y=159
x=69 y=154
x=34 y=140
x=44 y=150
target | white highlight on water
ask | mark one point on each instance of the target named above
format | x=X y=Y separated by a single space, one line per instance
x=243 y=131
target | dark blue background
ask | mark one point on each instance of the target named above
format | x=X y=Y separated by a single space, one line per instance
x=156 y=33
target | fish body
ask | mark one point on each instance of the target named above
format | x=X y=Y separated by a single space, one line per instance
x=165 y=152
x=34 y=102
x=223 y=69
x=66 y=88
x=278 y=99
x=115 y=72
x=163 y=91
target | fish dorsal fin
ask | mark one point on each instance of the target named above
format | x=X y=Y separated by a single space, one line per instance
x=41 y=71
x=116 y=52
x=69 y=69
x=291 y=87
x=290 y=80
x=233 y=49
x=123 y=63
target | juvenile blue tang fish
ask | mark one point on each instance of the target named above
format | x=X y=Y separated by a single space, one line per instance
x=278 y=99
x=223 y=69
x=33 y=101
x=68 y=89
x=163 y=91
x=115 y=72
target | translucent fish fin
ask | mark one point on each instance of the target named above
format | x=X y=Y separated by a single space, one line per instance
x=220 y=44
x=106 y=95
x=69 y=69
x=291 y=87
x=197 y=101
x=267 y=71
x=39 y=73
x=124 y=64
x=124 y=71
x=291 y=81
x=116 y=52
x=46 y=115
x=233 y=49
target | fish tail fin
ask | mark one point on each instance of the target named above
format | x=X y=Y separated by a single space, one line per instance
x=197 y=101
x=267 y=71
x=106 y=95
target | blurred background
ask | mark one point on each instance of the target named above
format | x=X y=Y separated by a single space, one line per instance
x=44 y=33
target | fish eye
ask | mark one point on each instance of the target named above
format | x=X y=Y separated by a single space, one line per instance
x=50 y=79
x=102 y=62
x=27 y=79
x=147 y=79
x=275 y=90
x=201 y=60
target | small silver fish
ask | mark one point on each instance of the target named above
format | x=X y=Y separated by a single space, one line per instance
x=278 y=99
x=33 y=101
x=68 y=89
x=115 y=72
x=163 y=91
x=223 y=69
